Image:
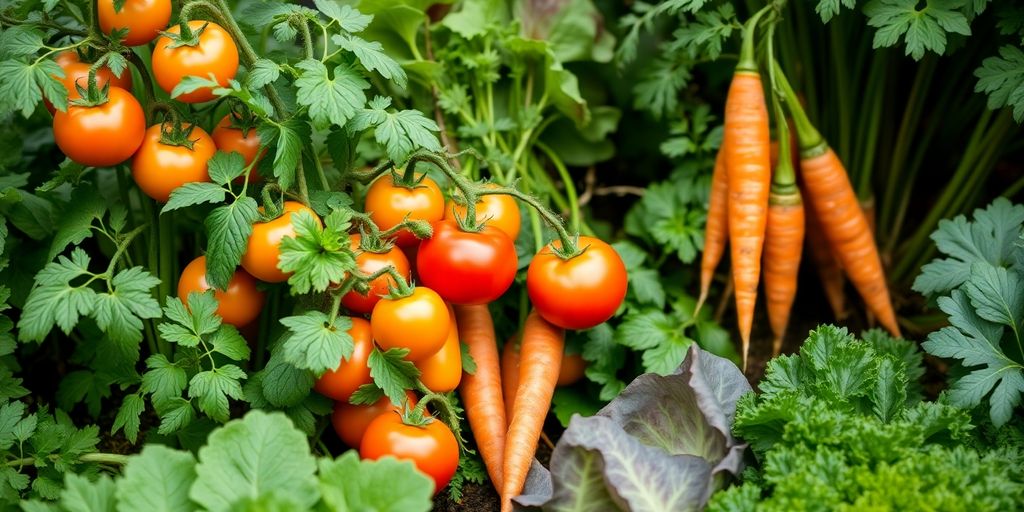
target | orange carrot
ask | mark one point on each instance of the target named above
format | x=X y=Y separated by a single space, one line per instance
x=481 y=392
x=747 y=162
x=784 y=238
x=510 y=375
x=829 y=272
x=716 y=229
x=540 y=359
x=843 y=221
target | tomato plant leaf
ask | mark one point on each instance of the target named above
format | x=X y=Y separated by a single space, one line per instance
x=371 y=55
x=176 y=414
x=128 y=417
x=213 y=387
x=1002 y=79
x=164 y=379
x=287 y=137
x=284 y=385
x=157 y=480
x=392 y=373
x=53 y=300
x=348 y=483
x=317 y=257
x=83 y=386
x=254 y=456
x=228 y=228
x=76 y=224
x=400 y=133
x=225 y=167
x=194 y=193
x=120 y=312
x=330 y=100
x=229 y=342
x=348 y=18
x=315 y=343
x=264 y=72
x=366 y=394
x=10 y=387
x=605 y=358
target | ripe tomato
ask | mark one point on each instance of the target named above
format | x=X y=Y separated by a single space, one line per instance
x=264 y=249
x=418 y=322
x=231 y=139
x=573 y=366
x=499 y=210
x=370 y=262
x=103 y=135
x=216 y=53
x=159 y=168
x=344 y=380
x=442 y=371
x=76 y=71
x=388 y=204
x=144 y=19
x=464 y=267
x=239 y=305
x=432 y=447
x=350 y=421
x=578 y=293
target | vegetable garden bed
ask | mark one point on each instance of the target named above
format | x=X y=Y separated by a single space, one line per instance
x=511 y=255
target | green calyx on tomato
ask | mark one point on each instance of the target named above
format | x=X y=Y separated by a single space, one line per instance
x=186 y=35
x=178 y=134
x=91 y=95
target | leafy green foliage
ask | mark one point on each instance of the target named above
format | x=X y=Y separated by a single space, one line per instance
x=317 y=256
x=837 y=426
x=980 y=285
x=922 y=30
x=1002 y=78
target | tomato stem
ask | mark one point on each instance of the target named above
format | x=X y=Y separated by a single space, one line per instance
x=397 y=290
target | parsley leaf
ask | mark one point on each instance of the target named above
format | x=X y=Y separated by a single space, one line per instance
x=830 y=8
x=315 y=343
x=317 y=256
x=1002 y=78
x=922 y=30
x=213 y=387
x=660 y=337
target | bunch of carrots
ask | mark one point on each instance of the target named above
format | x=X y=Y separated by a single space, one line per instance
x=761 y=214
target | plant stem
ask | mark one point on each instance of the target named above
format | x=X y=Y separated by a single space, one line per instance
x=99 y=458
x=307 y=36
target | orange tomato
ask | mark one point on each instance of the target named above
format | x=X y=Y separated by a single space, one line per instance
x=418 y=322
x=388 y=204
x=370 y=262
x=498 y=210
x=573 y=367
x=103 y=135
x=215 y=53
x=350 y=421
x=160 y=168
x=432 y=447
x=264 y=247
x=442 y=371
x=238 y=305
x=144 y=19
x=341 y=382
x=231 y=139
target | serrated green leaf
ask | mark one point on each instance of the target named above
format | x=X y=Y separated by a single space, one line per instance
x=83 y=386
x=75 y=225
x=82 y=495
x=264 y=72
x=350 y=19
x=128 y=417
x=385 y=485
x=288 y=138
x=392 y=373
x=164 y=380
x=194 y=193
x=922 y=30
x=176 y=415
x=283 y=384
x=371 y=55
x=1002 y=79
x=225 y=167
x=228 y=228
x=331 y=100
x=20 y=41
x=157 y=480
x=400 y=133
x=314 y=343
x=229 y=342
x=316 y=257
x=213 y=387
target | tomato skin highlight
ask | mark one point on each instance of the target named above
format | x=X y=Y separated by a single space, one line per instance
x=442 y=372
x=467 y=268
x=579 y=293
x=239 y=305
x=103 y=135
x=345 y=379
x=498 y=210
x=368 y=263
x=144 y=19
x=418 y=322
x=388 y=204
x=159 y=168
x=216 y=53
x=431 y=447
x=264 y=247
x=350 y=421
x=247 y=144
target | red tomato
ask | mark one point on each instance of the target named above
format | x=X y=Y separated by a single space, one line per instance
x=418 y=322
x=442 y=371
x=388 y=204
x=464 y=267
x=231 y=139
x=573 y=367
x=144 y=19
x=498 y=210
x=103 y=135
x=264 y=249
x=350 y=421
x=216 y=53
x=370 y=262
x=432 y=447
x=344 y=380
x=160 y=168
x=239 y=305
x=581 y=292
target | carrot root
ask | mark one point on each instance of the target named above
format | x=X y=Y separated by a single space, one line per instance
x=481 y=392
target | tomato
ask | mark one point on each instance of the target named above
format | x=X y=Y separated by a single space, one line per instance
x=160 y=168
x=216 y=53
x=350 y=421
x=66 y=57
x=418 y=322
x=344 y=380
x=388 y=204
x=264 y=249
x=239 y=305
x=581 y=292
x=76 y=71
x=573 y=366
x=432 y=447
x=464 y=267
x=442 y=371
x=498 y=210
x=232 y=139
x=103 y=135
x=370 y=262
x=144 y=19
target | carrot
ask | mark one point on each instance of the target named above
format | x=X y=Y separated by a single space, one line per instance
x=784 y=238
x=481 y=392
x=510 y=375
x=829 y=272
x=747 y=162
x=843 y=221
x=716 y=229
x=540 y=359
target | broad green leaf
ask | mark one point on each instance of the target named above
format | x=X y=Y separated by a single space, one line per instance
x=331 y=100
x=177 y=415
x=191 y=194
x=350 y=19
x=75 y=225
x=82 y=495
x=288 y=138
x=213 y=387
x=225 y=167
x=316 y=344
x=372 y=56
x=229 y=342
x=283 y=384
x=157 y=480
x=164 y=380
x=228 y=228
x=392 y=373
x=384 y=485
x=264 y=72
